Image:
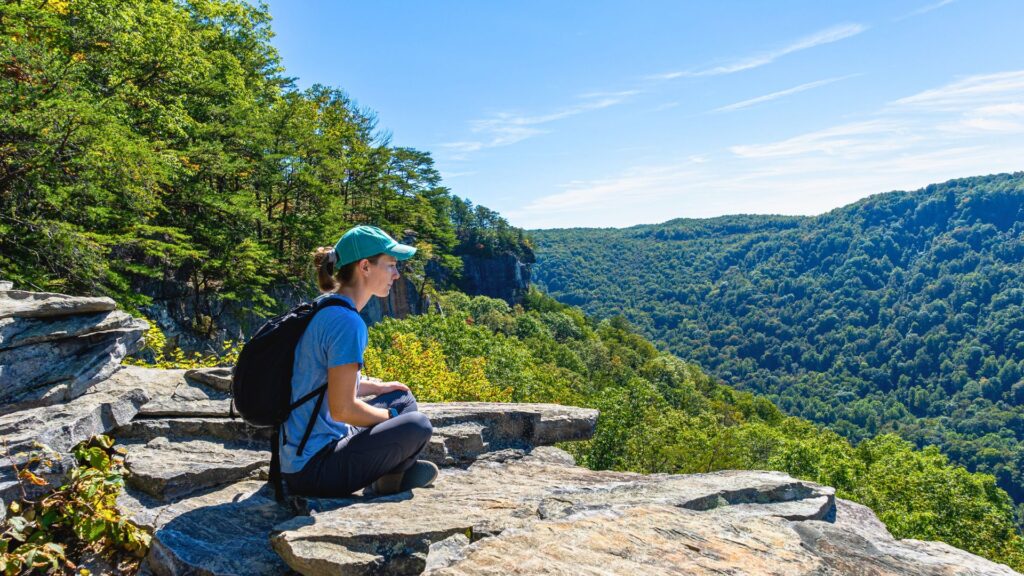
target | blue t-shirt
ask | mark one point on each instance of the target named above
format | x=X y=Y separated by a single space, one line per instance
x=334 y=337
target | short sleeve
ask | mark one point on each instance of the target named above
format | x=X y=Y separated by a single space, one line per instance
x=345 y=337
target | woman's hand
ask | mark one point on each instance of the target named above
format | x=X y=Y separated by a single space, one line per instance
x=392 y=386
x=376 y=387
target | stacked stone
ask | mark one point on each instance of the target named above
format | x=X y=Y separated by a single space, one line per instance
x=56 y=354
x=53 y=347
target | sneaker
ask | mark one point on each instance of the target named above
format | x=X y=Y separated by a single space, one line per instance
x=385 y=485
x=419 y=475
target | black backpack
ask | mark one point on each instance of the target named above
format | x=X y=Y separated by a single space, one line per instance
x=261 y=387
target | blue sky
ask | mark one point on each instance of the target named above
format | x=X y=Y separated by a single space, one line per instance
x=571 y=113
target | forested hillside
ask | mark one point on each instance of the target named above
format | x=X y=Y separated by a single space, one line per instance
x=152 y=140
x=147 y=140
x=902 y=312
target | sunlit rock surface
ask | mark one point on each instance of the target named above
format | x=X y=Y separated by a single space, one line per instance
x=506 y=502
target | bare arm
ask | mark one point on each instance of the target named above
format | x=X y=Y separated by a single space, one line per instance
x=342 y=401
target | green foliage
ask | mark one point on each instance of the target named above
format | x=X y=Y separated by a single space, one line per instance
x=144 y=142
x=78 y=517
x=661 y=414
x=422 y=366
x=158 y=353
x=902 y=313
x=918 y=495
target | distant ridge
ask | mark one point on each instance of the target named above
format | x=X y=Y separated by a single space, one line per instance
x=901 y=312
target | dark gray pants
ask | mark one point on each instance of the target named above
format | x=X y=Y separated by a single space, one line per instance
x=360 y=458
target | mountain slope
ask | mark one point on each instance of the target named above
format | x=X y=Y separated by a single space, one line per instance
x=901 y=312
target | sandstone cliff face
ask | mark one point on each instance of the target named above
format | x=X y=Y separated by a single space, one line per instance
x=503 y=276
x=506 y=502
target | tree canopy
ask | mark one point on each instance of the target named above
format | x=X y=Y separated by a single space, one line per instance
x=901 y=313
x=148 y=140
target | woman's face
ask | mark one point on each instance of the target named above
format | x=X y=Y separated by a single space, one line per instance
x=381 y=275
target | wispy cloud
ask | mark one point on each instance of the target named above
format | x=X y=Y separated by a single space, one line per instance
x=926 y=9
x=450 y=175
x=848 y=140
x=780 y=94
x=970 y=92
x=987 y=102
x=970 y=126
x=826 y=36
x=506 y=128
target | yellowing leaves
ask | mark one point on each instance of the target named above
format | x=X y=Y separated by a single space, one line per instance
x=57 y=6
x=422 y=366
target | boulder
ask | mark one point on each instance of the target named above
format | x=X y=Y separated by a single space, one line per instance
x=217 y=378
x=54 y=347
x=108 y=405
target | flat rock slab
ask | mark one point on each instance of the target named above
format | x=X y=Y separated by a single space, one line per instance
x=191 y=428
x=219 y=532
x=516 y=424
x=16 y=332
x=22 y=304
x=393 y=535
x=169 y=469
x=647 y=539
x=463 y=432
x=657 y=539
x=843 y=550
x=217 y=378
x=189 y=398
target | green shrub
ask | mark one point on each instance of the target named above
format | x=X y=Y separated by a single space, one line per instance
x=79 y=517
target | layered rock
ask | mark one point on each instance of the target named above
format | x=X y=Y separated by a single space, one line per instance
x=57 y=355
x=112 y=403
x=506 y=501
x=191 y=481
x=54 y=347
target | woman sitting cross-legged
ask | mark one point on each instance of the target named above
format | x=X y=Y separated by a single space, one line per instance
x=353 y=444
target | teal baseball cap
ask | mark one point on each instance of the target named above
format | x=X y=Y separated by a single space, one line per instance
x=365 y=241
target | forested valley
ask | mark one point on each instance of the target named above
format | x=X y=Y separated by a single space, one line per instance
x=900 y=313
x=144 y=141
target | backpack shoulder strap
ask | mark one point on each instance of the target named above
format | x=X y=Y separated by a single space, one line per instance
x=328 y=302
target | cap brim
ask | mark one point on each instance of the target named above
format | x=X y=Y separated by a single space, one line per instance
x=401 y=251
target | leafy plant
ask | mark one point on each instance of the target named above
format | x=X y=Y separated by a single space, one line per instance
x=159 y=353
x=80 y=516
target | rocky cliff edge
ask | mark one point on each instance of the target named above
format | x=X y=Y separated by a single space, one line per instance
x=507 y=501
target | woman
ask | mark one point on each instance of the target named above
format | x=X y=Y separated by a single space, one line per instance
x=353 y=443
